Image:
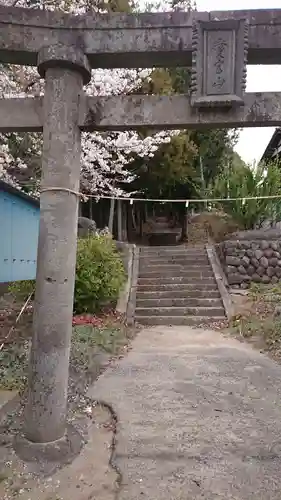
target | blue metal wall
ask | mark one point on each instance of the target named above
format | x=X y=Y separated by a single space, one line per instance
x=19 y=226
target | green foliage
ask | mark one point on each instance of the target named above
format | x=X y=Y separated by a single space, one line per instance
x=159 y=82
x=184 y=167
x=100 y=274
x=88 y=342
x=169 y=169
x=248 y=181
x=22 y=289
x=215 y=149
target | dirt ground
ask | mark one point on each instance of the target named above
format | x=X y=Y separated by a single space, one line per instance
x=89 y=477
x=258 y=318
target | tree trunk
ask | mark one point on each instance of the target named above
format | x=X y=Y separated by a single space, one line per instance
x=111 y=215
x=119 y=220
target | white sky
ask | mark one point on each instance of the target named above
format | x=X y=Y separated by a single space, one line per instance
x=252 y=141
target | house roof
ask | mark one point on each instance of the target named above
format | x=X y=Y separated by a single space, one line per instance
x=272 y=146
x=7 y=188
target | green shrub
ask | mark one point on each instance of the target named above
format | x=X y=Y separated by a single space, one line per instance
x=246 y=181
x=99 y=278
x=100 y=273
x=21 y=289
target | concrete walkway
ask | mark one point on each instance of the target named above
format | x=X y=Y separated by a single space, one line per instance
x=199 y=418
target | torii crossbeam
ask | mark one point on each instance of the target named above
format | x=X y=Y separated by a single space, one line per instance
x=261 y=109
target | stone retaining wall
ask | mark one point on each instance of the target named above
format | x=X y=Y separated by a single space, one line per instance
x=256 y=261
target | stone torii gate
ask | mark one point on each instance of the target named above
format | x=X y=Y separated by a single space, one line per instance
x=64 y=48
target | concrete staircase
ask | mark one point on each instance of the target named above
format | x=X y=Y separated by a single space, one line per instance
x=176 y=286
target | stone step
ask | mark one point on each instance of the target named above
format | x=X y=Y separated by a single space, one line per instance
x=183 y=247
x=178 y=261
x=172 y=250
x=177 y=302
x=161 y=223
x=177 y=320
x=179 y=311
x=177 y=272
x=169 y=251
x=174 y=258
x=173 y=287
x=173 y=255
x=171 y=280
x=188 y=293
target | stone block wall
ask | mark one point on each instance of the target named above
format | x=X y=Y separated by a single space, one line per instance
x=245 y=261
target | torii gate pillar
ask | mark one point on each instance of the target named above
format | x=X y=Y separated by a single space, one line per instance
x=65 y=69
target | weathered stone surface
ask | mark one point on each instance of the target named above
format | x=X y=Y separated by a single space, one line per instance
x=235 y=279
x=264 y=244
x=241 y=270
x=255 y=262
x=133 y=112
x=245 y=244
x=230 y=269
x=214 y=45
x=260 y=271
x=274 y=245
x=144 y=36
x=86 y=227
x=268 y=253
x=245 y=261
x=264 y=262
x=173 y=111
x=258 y=254
x=265 y=279
x=259 y=260
x=274 y=279
x=270 y=271
x=250 y=270
x=47 y=401
x=229 y=251
x=230 y=244
x=66 y=56
x=244 y=286
x=232 y=261
x=278 y=272
x=254 y=245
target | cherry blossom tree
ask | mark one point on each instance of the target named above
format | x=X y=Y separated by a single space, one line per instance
x=105 y=156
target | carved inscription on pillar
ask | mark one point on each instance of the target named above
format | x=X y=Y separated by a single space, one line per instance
x=219 y=56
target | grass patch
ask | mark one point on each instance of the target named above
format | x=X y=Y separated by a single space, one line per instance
x=14 y=366
x=89 y=344
x=263 y=321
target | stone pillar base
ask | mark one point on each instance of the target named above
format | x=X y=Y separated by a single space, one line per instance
x=50 y=456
